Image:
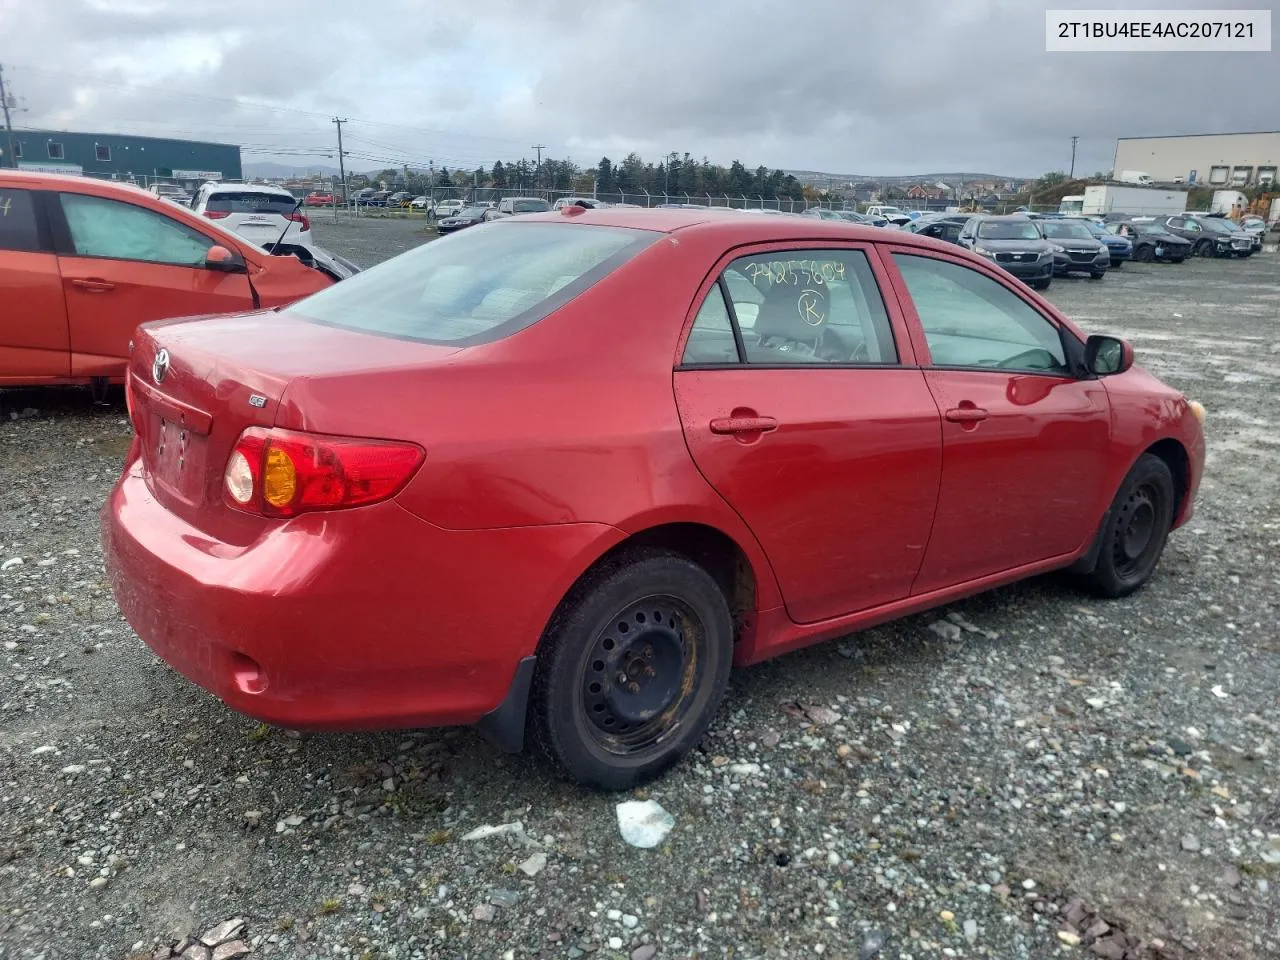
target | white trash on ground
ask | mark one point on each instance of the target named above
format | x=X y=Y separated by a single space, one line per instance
x=644 y=823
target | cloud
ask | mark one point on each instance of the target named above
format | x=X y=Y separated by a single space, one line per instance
x=849 y=86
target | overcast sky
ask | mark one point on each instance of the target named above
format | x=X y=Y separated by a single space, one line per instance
x=847 y=86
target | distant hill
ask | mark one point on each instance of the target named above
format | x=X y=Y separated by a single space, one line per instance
x=817 y=176
x=267 y=170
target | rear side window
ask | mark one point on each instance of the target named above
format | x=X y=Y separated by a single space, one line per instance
x=478 y=285
x=18 y=229
x=250 y=202
x=797 y=307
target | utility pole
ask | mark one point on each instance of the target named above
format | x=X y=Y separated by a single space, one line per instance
x=8 y=128
x=1072 y=174
x=538 y=170
x=342 y=167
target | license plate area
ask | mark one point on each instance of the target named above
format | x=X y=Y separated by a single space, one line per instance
x=178 y=458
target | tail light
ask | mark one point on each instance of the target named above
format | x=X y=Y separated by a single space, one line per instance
x=217 y=214
x=301 y=218
x=281 y=473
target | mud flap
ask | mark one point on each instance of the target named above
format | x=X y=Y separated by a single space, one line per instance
x=503 y=726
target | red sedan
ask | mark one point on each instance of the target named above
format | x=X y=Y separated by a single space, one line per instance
x=319 y=200
x=559 y=472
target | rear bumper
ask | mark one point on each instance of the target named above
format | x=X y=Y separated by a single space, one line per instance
x=361 y=619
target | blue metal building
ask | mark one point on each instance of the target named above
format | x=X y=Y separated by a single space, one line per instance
x=122 y=156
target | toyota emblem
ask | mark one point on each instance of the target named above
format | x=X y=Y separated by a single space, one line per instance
x=160 y=365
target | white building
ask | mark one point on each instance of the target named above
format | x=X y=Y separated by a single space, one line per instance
x=1215 y=159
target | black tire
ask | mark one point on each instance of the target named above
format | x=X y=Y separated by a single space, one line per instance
x=1204 y=249
x=1117 y=264
x=1176 y=259
x=1040 y=284
x=1143 y=253
x=1097 y=274
x=657 y=621
x=1136 y=529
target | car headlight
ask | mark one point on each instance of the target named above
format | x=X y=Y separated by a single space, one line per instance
x=1197 y=409
x=1057 y=248
x=983 y=251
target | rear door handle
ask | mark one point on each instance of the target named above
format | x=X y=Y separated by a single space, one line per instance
x=743 y=425
x=966 y=414
x=93 y=285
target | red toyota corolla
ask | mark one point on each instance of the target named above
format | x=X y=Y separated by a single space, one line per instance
x=558 y=472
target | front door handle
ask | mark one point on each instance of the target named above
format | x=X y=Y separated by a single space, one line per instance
x=93 y=285
x=966 y=414
x=724 y=425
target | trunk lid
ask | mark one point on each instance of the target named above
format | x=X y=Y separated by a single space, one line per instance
x=196 y=385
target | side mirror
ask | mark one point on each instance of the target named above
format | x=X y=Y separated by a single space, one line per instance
x=221 y=259
x=1104 y=355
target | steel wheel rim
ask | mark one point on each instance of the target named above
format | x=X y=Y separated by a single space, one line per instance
x=640 y=673
x=1136 y=529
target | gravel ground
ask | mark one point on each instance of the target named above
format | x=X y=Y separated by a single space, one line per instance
x=1031 y=773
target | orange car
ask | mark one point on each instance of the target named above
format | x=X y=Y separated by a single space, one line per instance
x=83 y=262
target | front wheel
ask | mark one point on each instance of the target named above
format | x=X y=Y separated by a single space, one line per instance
x=1143 y=253
x=631 y=669
x=1097 y=275
x=1204 y=248
x=1040 y=284
x=1136 y=529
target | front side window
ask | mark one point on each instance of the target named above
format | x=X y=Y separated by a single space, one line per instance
x=18 y=229
x=970 y=320
x=121 y=231
x=55 y=150
x=103 y=154
x=799 y=306
x=477 y=285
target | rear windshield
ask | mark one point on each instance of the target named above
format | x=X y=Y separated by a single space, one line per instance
x=476 y=285
x=249 y=202
x=1008 y=230
x=530 y=206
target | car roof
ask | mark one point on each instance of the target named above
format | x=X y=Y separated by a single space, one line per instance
x=1001 y=218
x=245 y=188
x=732 y=230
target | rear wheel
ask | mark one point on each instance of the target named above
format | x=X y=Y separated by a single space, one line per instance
x=632 y=669
x=1136 y=529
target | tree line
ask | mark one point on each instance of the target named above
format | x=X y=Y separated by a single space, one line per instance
x=673 y=175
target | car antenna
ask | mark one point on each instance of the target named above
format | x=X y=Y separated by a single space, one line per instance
x=288 y=222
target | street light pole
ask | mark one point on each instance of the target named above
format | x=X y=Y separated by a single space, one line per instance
x=1072 y=174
